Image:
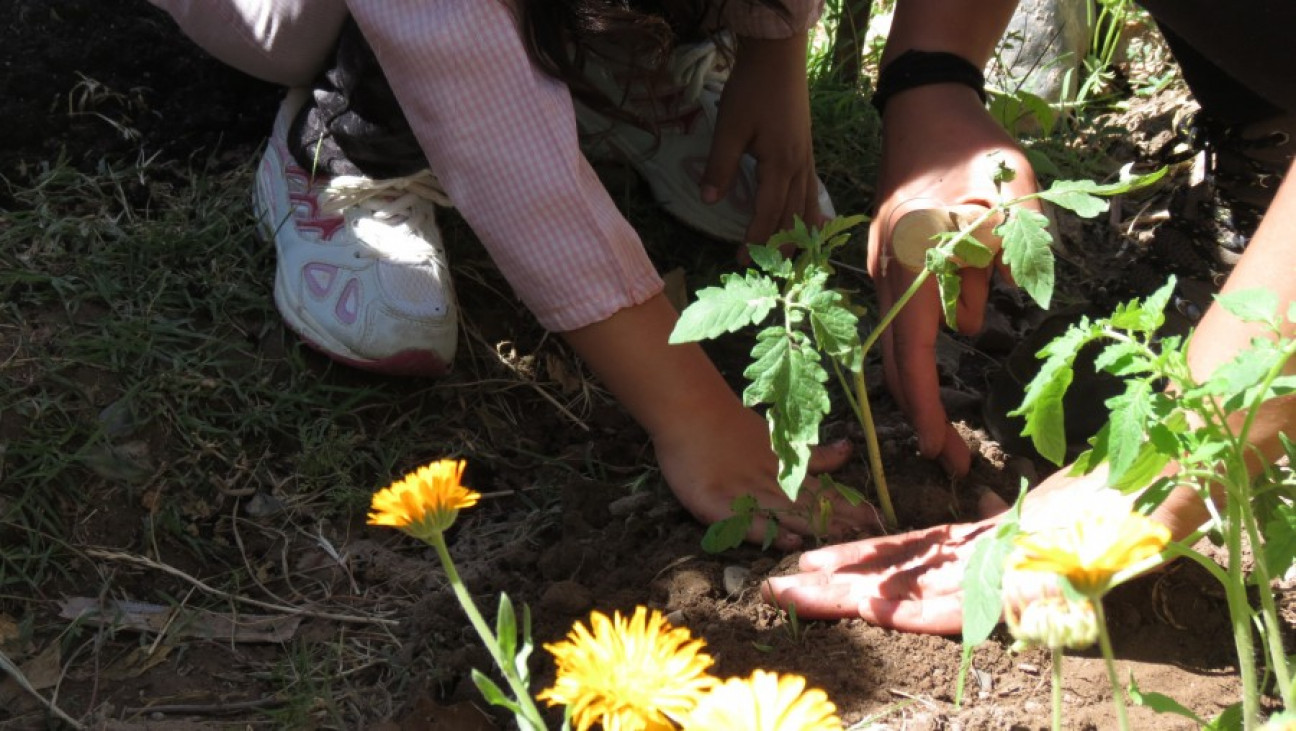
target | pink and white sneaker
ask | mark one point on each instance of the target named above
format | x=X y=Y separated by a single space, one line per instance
x=673 y=163
x=362 y=274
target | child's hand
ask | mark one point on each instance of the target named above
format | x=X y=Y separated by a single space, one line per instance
x=716 y=455
x=765 y=111
x=939 y=145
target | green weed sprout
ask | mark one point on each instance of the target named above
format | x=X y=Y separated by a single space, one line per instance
x=812 y=321
x=1164 y=418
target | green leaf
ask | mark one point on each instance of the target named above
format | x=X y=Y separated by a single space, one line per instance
x=741 y=301
x=1042 y=405
x=833 y=227
x=1251 y=305
x=1160 y=703
x=1150 y=499
x=771 y=532
x=1123 y=358
x=770 y=260
x=1146 y=316
x=1074 y=196
x=1232 y=379
x=730 y=532
x=1280 y=539
x=1147 y=465
x=849 y=494
x=1230 y=719
x=524 y=651
x=948 y=282
x=726 y=533
x=836 y=331
x=983 y=579
x=1129 y=416
x=786 y=373
x=506 y=627
x=492 y=693
x=1027 y=252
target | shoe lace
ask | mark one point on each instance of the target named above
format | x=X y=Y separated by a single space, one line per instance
x=394 y=201
x=701 y=66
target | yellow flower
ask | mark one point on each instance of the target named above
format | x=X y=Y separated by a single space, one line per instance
x=426 y=502
x=633 y=674
x=764 y=702
x=1092 y=550
x=1053 y=622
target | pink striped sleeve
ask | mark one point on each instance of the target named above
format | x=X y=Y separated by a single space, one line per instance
x=501 y=136
x=748 y=18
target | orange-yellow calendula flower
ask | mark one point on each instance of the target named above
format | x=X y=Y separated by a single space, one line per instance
x=426 y=501
x=636 y=674
x=765 y=702
x=1092 y=550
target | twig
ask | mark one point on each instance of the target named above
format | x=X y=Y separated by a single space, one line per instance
x=211 y=709
x=8 y=666
x=150 y=563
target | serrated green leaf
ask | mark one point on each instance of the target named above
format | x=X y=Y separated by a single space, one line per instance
x=1251 y=305
x=726 y=533
x=1123 y=358
x=836 y=332
x=1074 y=196
x=1144 y=316
x=1042 y=405
x=740 y=301
x=833 y=227
x=770 y=260
x=1147 y=466
x=1027 y=252
x=1129 y=416
x=973 y=253
x=1280 y=539
x=492 y=693
x=793 y=455
x=1234 y=378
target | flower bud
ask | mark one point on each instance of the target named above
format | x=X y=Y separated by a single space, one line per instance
x=1053 y=622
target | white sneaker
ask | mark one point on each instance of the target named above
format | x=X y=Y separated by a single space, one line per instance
x=362 y=274
x=673 y=164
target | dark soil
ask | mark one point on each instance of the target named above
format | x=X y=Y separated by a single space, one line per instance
x=71 y=67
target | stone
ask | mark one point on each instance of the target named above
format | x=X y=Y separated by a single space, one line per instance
x=1042 y=52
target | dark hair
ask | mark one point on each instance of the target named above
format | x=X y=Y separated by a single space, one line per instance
x=562 y=35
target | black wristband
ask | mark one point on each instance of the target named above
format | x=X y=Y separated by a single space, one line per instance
x=919 y=68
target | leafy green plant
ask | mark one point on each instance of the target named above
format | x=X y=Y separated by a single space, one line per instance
x=807 y=322
x=1166 y=417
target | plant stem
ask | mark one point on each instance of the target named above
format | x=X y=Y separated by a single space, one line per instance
x=1109 y=658
x=521 y=693
x=874 y=451
x=1240 y=614
x=1057 y=689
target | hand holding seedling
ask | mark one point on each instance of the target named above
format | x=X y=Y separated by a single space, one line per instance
x=939 y=145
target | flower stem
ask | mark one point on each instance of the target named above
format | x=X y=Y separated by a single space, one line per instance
x=1057 y=689
x=521 y=693
x=1109 y=659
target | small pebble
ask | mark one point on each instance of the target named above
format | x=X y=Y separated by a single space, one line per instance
x=735 y=577
x=1028 y=668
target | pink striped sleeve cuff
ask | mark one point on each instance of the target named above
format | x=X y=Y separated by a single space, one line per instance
x=501 y=136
